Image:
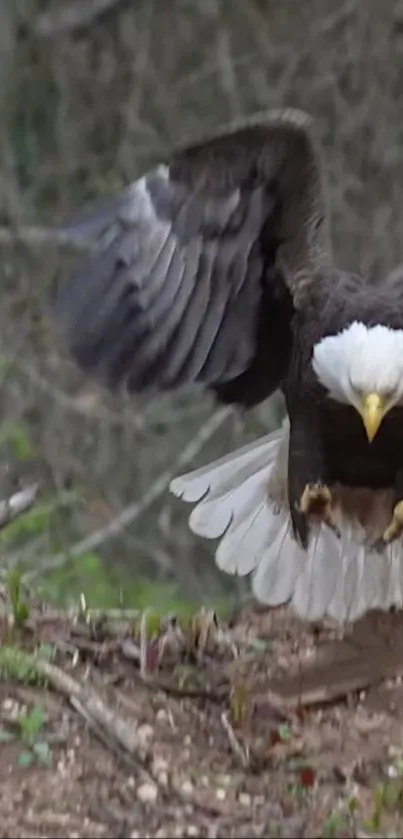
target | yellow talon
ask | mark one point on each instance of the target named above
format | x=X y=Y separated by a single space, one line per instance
x=395 y=528
x=316 y=500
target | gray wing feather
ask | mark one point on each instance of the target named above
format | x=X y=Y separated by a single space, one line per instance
x=171 y=293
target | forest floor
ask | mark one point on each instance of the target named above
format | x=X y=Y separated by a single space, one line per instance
x=120 y=725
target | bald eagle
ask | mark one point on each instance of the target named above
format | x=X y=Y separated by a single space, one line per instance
x=215 y=269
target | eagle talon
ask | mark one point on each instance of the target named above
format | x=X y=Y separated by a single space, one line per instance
x=395 y=528
x=316 y=500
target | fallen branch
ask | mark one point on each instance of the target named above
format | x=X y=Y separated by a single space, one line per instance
x=111 y=729
x=92 y=707
x=133 y=511
x=339 y=675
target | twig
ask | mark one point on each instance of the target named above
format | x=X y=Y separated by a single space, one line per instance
x=13 y=507
x=118 y=615
x=143 y=643
x=226 y=70
x=331 y=21
x=133 y=511
x=72 y=16
x=239 y=751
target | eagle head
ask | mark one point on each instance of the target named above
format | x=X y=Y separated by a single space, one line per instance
x=363 y=366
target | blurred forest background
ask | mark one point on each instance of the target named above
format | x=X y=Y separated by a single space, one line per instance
x=92 y=93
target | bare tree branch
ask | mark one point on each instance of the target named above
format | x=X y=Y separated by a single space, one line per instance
x=9 y=198
x=33 y=236
x=72 y=16
x=87 y=403
x=134 y=511
x=13 y=507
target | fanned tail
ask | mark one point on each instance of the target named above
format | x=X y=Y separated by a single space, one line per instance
x=241 y=499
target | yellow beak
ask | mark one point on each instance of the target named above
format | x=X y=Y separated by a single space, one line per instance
x=372 y=411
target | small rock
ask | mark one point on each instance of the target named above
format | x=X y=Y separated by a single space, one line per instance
x=147 y=793
x=13 y=709
x=145 y=733
x=192 y=830
x=187 y=787
x=160 y=769
x=245 y=799
x=160 y=765
x=162 y=715
x=220 y=793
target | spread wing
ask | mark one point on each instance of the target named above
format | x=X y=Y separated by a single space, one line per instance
x=198 y=264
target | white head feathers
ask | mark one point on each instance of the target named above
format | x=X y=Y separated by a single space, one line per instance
x=360 y=360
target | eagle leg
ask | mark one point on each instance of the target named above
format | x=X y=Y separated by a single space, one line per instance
x=309 y=495
x=395 y=527
x=316 y=501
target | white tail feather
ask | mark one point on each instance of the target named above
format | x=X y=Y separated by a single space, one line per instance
x=242 y=498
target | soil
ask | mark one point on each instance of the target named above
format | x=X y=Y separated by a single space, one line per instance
x=267 y=727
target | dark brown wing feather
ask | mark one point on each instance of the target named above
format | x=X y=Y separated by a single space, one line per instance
x=198 y=266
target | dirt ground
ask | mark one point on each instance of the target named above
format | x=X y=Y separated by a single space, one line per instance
x=126 y=726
